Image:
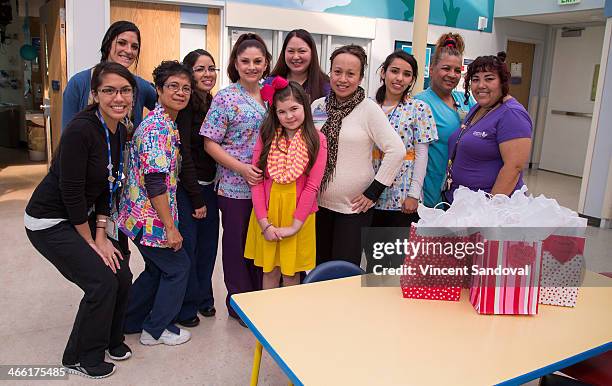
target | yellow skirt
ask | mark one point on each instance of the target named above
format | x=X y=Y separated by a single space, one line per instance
x=292 y=254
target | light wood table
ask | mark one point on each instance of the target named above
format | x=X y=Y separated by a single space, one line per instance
x=340 y=333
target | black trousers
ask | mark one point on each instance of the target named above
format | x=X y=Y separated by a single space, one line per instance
x=339 y=235
x=99 y=320
x=401 y=223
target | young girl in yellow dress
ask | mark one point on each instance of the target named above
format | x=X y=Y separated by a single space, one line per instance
x=292 y=154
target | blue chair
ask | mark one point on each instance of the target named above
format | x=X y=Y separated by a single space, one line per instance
x=335 y=269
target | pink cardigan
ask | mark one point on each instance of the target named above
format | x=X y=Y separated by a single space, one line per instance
x=307 y=185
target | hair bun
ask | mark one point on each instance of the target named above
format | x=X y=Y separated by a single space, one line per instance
x=450 y=42
x=501 y=55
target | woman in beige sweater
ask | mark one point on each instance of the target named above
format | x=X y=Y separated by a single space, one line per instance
x=353 y=124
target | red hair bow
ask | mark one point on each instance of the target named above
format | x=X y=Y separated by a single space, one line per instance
x=269 y=89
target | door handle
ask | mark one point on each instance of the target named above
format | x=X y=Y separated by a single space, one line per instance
x=572 y=114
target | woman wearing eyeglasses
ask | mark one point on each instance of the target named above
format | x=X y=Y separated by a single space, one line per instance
x=196 y=197
x=148 y=213
x=68 y=221
x=121 y=44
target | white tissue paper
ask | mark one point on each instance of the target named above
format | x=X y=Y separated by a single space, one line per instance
x=499 y=217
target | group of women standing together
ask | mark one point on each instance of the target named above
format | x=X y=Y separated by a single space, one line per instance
x=267 y=156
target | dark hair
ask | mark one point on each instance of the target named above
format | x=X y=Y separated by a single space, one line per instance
x=448 y=44
x=169 y=68
x=245 y=41
x=406 y=57
x=355 y=50
x=103 y=68
x=490 y=63
x=271 y=122
x=116 y=29
x=316 y=77
x=200 y=101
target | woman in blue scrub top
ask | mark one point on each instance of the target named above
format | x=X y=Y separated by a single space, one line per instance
x=448 y=109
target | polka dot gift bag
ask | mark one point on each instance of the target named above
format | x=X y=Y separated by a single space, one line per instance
x=437 y=264
x=563 y=267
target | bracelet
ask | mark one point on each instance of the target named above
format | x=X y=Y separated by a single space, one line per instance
x=101 y=220
x=266 y=228
x=103 y=227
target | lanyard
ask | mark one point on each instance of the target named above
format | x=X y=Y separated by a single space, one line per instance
x=113 y=183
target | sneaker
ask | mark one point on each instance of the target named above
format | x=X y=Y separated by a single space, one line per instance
x=208 y=311
x=167 y=337
x=119 y=353
x=101 y=370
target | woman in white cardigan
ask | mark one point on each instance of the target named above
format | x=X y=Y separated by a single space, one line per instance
x=353 y=125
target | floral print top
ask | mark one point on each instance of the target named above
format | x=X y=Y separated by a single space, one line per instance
x=233 y=122
x=413 y=121
x=154 y=149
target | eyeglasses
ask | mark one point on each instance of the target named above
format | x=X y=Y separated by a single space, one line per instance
x=111 y=91
x=201 y=69
x=174 y=87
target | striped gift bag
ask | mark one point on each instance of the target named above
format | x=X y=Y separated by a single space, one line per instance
x=506 y=277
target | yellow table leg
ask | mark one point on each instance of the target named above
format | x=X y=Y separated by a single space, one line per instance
x=256 y=364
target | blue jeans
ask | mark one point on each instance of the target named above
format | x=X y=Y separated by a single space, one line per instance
x=200 y=238
x=156 y=296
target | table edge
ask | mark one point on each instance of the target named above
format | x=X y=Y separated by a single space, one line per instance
x=281 y=363
x=524 y=378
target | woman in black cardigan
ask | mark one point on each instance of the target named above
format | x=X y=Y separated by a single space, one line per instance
x=69 y=220
x=196 y=197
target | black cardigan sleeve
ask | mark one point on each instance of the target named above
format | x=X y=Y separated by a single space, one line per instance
x=188 y=176
x=73 y=155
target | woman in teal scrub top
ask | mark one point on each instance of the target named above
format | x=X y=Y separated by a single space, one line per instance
x=448 y=109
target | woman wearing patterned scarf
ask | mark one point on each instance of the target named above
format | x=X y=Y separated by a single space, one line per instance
x=292 y=154
x=352 y=124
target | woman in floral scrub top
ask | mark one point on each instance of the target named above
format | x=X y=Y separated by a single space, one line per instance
x=231 y=129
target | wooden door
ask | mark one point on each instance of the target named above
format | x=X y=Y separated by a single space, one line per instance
x=213 y=40
x=160 y=31
x=53 y=68
x=520 y=63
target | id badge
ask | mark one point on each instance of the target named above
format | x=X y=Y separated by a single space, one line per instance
x=112 y=229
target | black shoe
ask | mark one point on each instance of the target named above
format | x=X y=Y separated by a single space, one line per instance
x=240 y=321
x=102 y=370
x=208 y=311
x=190 y=322
x=119 y=353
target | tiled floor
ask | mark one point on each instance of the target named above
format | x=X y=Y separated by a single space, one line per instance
x=38 y=305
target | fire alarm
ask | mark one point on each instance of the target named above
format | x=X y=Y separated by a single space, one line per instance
x=482 y=23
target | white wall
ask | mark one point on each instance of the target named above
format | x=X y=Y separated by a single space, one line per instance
x=596 y=192
x=84 y=32
x=192 y=37
x=509 y=8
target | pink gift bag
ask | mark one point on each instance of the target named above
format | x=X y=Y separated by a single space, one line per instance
x=514 y=288
x=563 y=268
